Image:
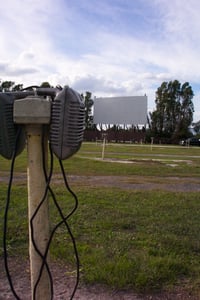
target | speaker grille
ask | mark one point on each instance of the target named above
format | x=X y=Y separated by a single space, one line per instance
x=8 y=129
x=67 y=123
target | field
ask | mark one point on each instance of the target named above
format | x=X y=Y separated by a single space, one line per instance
x=137 y=226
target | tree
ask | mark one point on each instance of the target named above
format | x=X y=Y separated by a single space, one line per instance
x=7 y=86
x=17 y=87
x=88 y=109
x=174 y=110
x=45 y=84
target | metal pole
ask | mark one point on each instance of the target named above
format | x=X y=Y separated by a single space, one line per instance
x=36 y=191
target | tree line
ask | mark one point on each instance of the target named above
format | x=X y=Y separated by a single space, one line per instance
x=171 y=118
x=173 y=114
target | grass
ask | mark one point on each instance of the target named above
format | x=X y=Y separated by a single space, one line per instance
x=18 y=222
x=144 y=161
x=143 y=240
x=138 y=149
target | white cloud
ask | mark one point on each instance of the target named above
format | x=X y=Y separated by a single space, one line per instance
x=101 y=86
x=128 y=47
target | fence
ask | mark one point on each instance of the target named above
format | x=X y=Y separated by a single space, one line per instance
x=117 y=136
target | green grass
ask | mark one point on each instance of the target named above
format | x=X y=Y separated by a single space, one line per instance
x=18 y=219
x=143 y=240
x=126 y=239
x=141 y=149
x=145 y=162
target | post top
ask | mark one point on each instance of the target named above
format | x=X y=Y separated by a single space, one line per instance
x=32 y=110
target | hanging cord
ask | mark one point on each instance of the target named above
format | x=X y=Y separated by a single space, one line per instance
x=63 y=219
x=6 y=216
x=69 y=230
x=43 y=256
x=48 y=179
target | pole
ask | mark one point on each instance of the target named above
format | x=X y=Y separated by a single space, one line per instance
x=36 y=191
x=103 y=148
x=151 y=143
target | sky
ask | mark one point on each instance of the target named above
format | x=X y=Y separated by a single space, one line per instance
x=107 y=47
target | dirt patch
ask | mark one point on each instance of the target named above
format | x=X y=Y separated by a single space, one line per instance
x=64 y=284
x=136 y=182
x=178 y=184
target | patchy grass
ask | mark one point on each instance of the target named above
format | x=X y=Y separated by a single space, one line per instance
x=145 y=240
x=162 y=160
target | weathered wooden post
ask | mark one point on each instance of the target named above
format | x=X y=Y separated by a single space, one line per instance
x=33 y=112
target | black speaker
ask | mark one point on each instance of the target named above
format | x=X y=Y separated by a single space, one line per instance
x=67 y=123
x=8 y=130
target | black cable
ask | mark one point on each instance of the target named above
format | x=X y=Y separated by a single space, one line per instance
x=48 y=179
x=43 y=256
x=29 y=88
x=69 y=230
x=6 y=216
x=63 y=220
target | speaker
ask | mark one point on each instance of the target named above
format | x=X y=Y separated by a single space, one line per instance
x=8 y=130
x=67 y=123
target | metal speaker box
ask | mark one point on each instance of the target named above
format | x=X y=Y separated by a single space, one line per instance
x=67 y=123
x=8 y=130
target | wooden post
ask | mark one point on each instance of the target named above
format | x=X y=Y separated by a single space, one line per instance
x=152 y=143
x=36 y=192
x=33 y=112
x=103 y=148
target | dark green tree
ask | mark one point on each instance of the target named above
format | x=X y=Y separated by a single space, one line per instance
x=45 y=84
x=7 y=86
x=17 y=87
x=88 y=110
x=174 y=111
